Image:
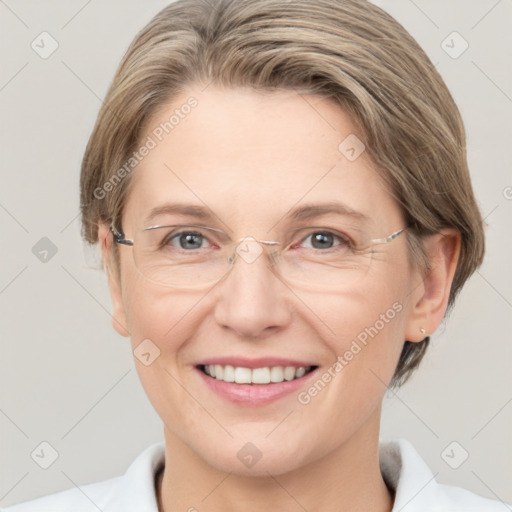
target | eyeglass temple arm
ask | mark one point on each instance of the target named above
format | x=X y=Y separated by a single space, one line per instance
x=388 y=238
x=119 y=237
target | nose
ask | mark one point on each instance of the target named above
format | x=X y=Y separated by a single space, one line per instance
x=252 y=301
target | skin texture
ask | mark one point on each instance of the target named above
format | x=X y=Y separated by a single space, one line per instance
x=250 y=157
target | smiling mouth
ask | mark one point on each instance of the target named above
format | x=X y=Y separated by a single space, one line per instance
x=264 y=375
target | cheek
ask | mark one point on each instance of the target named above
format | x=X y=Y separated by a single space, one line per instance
x=161 y=322
x=365 y=334
x=372 y=317
x=162 y=325
x=165 y=317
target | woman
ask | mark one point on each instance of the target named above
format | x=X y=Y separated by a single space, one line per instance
x=283 y=204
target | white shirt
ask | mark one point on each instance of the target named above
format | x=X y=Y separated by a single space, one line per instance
x=402 y=468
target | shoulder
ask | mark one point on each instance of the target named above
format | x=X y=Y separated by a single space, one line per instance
x=416 y=488
x=133 y=491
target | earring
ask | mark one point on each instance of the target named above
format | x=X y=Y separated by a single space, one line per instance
x=423 y=331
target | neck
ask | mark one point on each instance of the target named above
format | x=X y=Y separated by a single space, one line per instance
x=348 y=478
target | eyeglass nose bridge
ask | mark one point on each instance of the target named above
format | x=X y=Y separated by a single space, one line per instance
x=249 y=249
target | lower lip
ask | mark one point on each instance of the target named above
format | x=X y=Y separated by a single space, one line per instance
x=254 y=394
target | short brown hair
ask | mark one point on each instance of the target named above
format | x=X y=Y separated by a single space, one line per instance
x=348 y=51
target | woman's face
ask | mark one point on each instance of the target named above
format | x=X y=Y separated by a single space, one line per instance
x=249 y=160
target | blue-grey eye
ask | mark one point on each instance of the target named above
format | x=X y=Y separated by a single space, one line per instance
x=188 y=240
x=322 y=240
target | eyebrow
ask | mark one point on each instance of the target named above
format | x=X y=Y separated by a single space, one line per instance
x=301 y=213
x=310 y=211
x=188 y=210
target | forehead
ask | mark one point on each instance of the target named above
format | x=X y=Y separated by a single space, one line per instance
x=251 y=156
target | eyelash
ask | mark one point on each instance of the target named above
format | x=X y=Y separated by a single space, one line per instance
x=342 y=239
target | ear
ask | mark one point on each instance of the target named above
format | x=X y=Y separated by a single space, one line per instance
x=118 y=313
x=430 y=297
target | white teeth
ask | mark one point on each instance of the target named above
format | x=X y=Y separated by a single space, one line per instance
x=243 y=375
x=276 y=374
x=229 y=373
x=300 y=372
x=261 y=375
x=289 y=373
x=219 y=371
x=264 y=375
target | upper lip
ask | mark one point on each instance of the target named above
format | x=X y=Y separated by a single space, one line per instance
x=260 y=362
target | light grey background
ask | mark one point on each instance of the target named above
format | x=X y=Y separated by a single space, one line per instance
x=68 y=379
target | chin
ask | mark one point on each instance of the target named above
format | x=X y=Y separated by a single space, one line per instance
x=268 y=465
x=259 y=458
